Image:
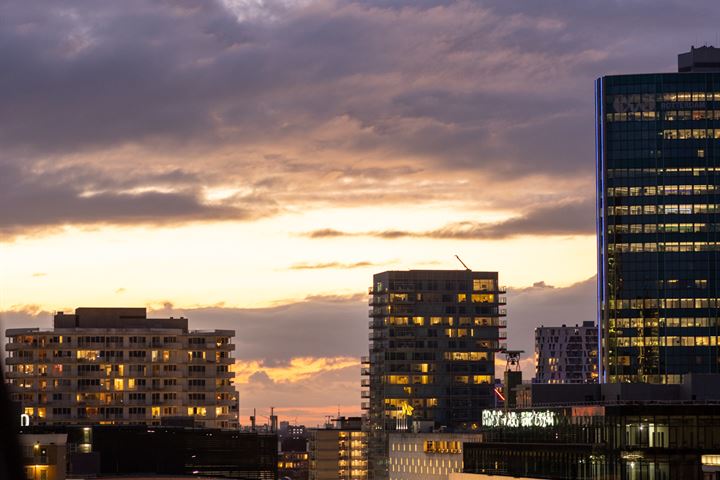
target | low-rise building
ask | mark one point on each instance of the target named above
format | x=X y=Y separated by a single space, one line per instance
x=44 y=456
x=426 y=456
x=339 y=451
x=139 y=451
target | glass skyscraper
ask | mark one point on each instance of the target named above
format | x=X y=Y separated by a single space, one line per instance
x=658 y=205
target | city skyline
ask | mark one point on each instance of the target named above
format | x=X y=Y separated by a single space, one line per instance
x=250 y=165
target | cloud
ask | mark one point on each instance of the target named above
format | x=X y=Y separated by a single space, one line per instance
x=142 y=112
x=566 y=218
x=39 y=274
x=332 y=265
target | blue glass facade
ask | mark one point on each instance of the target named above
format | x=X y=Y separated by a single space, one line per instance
x=658 y=221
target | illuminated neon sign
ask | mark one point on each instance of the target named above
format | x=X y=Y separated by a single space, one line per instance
x=525 y=419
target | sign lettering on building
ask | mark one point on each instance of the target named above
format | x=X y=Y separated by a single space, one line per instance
x=523 y=419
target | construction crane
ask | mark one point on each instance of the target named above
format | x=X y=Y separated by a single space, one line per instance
x=463 y=263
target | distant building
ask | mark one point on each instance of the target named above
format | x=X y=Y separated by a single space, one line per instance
x=339 y=451
x=293 y=465
x=294 y=459
x=566 y=354
x=434 y=334
x=426 y=456
x=658 y=191
x=116 y=366
x=607 y=431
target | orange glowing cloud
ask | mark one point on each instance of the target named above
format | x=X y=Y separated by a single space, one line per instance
x=298 y=369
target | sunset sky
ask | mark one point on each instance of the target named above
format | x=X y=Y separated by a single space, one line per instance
x=250 y=164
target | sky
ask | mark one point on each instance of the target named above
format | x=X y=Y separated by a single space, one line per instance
x=251 y=163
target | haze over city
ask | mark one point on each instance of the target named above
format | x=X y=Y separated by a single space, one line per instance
x=251 y=164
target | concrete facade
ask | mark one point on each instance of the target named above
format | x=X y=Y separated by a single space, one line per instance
x=115 y=366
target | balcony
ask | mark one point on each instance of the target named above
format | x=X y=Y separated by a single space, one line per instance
x=502 y=312
x=365 y=382
x=365 y=371
x=365 y=394
x=365 y=360
x=365 y=405
x=502 y=300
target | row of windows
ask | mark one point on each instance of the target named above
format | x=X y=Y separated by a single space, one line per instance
x=652 y=190
x=668 y=115
x=650 y=247
x=650 y=98
x=685 y=322
x=652 y=172
x=676 y=209
x=637 y=303
x=687 y=133
x=421 y=321
x=665 y=341
x=663 y=228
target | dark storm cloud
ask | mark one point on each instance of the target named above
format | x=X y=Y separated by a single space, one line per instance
x=567 y=218
x=502 y=89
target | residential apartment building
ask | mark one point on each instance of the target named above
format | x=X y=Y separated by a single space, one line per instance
x=658 y=191
x=433 y=338
x=566 y=354
x=339 y=451
x=116 y=366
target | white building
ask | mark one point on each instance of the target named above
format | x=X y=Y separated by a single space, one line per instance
x=416 y=456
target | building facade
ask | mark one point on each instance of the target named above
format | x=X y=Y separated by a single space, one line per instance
x=658 y=205
x=566 y=354
x=433 y=338
x=426 y=456
x=620 y=431
x=116 y=366
x=44 y=456
x=339 y=451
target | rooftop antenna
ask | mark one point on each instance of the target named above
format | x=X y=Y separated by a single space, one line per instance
x=463 y=263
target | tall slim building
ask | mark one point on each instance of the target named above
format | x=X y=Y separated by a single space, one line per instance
x=116 y=366
x=566 y=354
x=434 y=334
x=658 y=205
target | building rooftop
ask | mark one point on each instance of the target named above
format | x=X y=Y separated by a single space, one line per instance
x=116 y=317
x=701 y=59
x=695 y=388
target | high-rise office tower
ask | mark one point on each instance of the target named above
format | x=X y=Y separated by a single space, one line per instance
x=658 y=204
x=566 y=354
x=434 y=334
x=116 y=366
